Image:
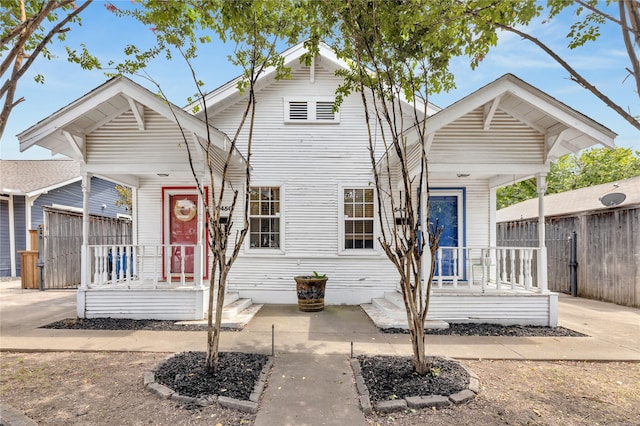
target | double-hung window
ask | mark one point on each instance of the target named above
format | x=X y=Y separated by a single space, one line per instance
x=358 y=216
x=264 y=217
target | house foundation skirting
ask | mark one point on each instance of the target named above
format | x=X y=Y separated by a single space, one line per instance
x=168 y=304
x=504 y=308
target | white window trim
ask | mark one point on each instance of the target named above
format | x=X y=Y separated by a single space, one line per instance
x=311 y=109
x=263 y=251
x=375 y=251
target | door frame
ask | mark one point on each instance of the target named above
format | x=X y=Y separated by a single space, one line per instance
x=461 y=194
x=167 y=192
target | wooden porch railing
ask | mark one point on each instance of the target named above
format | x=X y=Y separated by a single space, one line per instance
x=488 y=267
x=143 y=265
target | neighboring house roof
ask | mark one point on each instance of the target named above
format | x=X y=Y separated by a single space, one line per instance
x=579 y=200
x=29 y=177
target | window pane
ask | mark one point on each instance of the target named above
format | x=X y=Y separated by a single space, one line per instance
x=368 y=195
x=348 y=195
x=359 y=194
x=348 y=210
x=359 y=210
x=368 y=210
x=264 y=221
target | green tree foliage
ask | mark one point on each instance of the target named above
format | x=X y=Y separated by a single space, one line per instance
x=398 y=53
x=254 y=27
x=124 y=197
x=27 y=29
x=588 y=18
x=592 y=167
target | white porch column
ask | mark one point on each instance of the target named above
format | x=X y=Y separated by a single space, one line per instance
x=12 y=236
x=85 y=274
x=200 y=256
x=542 y=255
x=134 y=215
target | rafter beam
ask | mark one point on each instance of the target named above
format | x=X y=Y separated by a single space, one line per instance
x=138 y=112
x=77 y=144
x=554 y=139
x=489 y=111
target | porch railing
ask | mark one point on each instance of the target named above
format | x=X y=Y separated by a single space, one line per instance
x=145 y=265
x=488 y=267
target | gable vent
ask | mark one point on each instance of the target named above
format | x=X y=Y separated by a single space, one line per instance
x=324 y=111
x=297 y=110
x=310 y=110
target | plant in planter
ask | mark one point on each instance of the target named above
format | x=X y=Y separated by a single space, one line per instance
x=310 y=289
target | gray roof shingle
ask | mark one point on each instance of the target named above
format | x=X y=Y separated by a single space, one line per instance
x=26 y=176
x=579 y=200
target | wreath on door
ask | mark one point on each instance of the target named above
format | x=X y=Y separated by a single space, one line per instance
x=184 y=210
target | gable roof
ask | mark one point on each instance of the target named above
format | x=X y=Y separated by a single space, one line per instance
x=29 y=177
x=63 y=132
x=229 y=93
x=579 y=200
x=566 y=130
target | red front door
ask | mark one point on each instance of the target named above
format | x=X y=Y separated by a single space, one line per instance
x=183 y=229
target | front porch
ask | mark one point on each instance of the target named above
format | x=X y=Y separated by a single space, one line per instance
x=151 y=282
x=477 y=284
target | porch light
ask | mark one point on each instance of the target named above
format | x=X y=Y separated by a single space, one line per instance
x=163 y=174
x=463 y=175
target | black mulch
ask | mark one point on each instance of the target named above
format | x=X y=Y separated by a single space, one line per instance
x=393 y=377
x=126 y=324
x=235 y=377
x=495 y=330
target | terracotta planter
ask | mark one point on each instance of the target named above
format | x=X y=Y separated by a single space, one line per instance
x=310 y=291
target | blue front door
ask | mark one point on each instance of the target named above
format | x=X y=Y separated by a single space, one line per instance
x=444 y=213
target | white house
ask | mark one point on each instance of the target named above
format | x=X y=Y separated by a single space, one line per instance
x=310 y=171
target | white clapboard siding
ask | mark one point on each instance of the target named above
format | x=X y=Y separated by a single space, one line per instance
x=310 y=162
x=531 y=309
x=508 y=141
x=172 y=304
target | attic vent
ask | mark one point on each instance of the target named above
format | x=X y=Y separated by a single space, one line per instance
x=314 y=110
x=297 y=110
x=324 y=111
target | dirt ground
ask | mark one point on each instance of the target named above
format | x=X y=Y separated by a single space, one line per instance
x=72 y=388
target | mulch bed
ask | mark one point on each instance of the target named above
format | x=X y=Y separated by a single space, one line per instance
x=126 y=324
x=235 y=376
x=393 y=377
x=482 y=329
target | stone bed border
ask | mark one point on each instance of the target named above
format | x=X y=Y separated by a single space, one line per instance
x=437 y=401
x=250 y=406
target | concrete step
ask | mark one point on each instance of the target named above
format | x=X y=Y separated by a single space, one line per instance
x=390 y=309
x=383 y=320
x=235 y=315
x=395 y=297
x=234 y=308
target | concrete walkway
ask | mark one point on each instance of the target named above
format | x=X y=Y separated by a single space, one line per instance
x=311 y=375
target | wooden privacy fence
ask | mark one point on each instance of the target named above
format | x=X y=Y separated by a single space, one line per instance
x=608 y=251
x=62 y=237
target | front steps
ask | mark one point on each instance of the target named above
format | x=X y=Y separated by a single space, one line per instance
x=236 y=312
x=389 y=312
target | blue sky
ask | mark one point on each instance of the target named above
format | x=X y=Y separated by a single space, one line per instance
x=105 y=35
